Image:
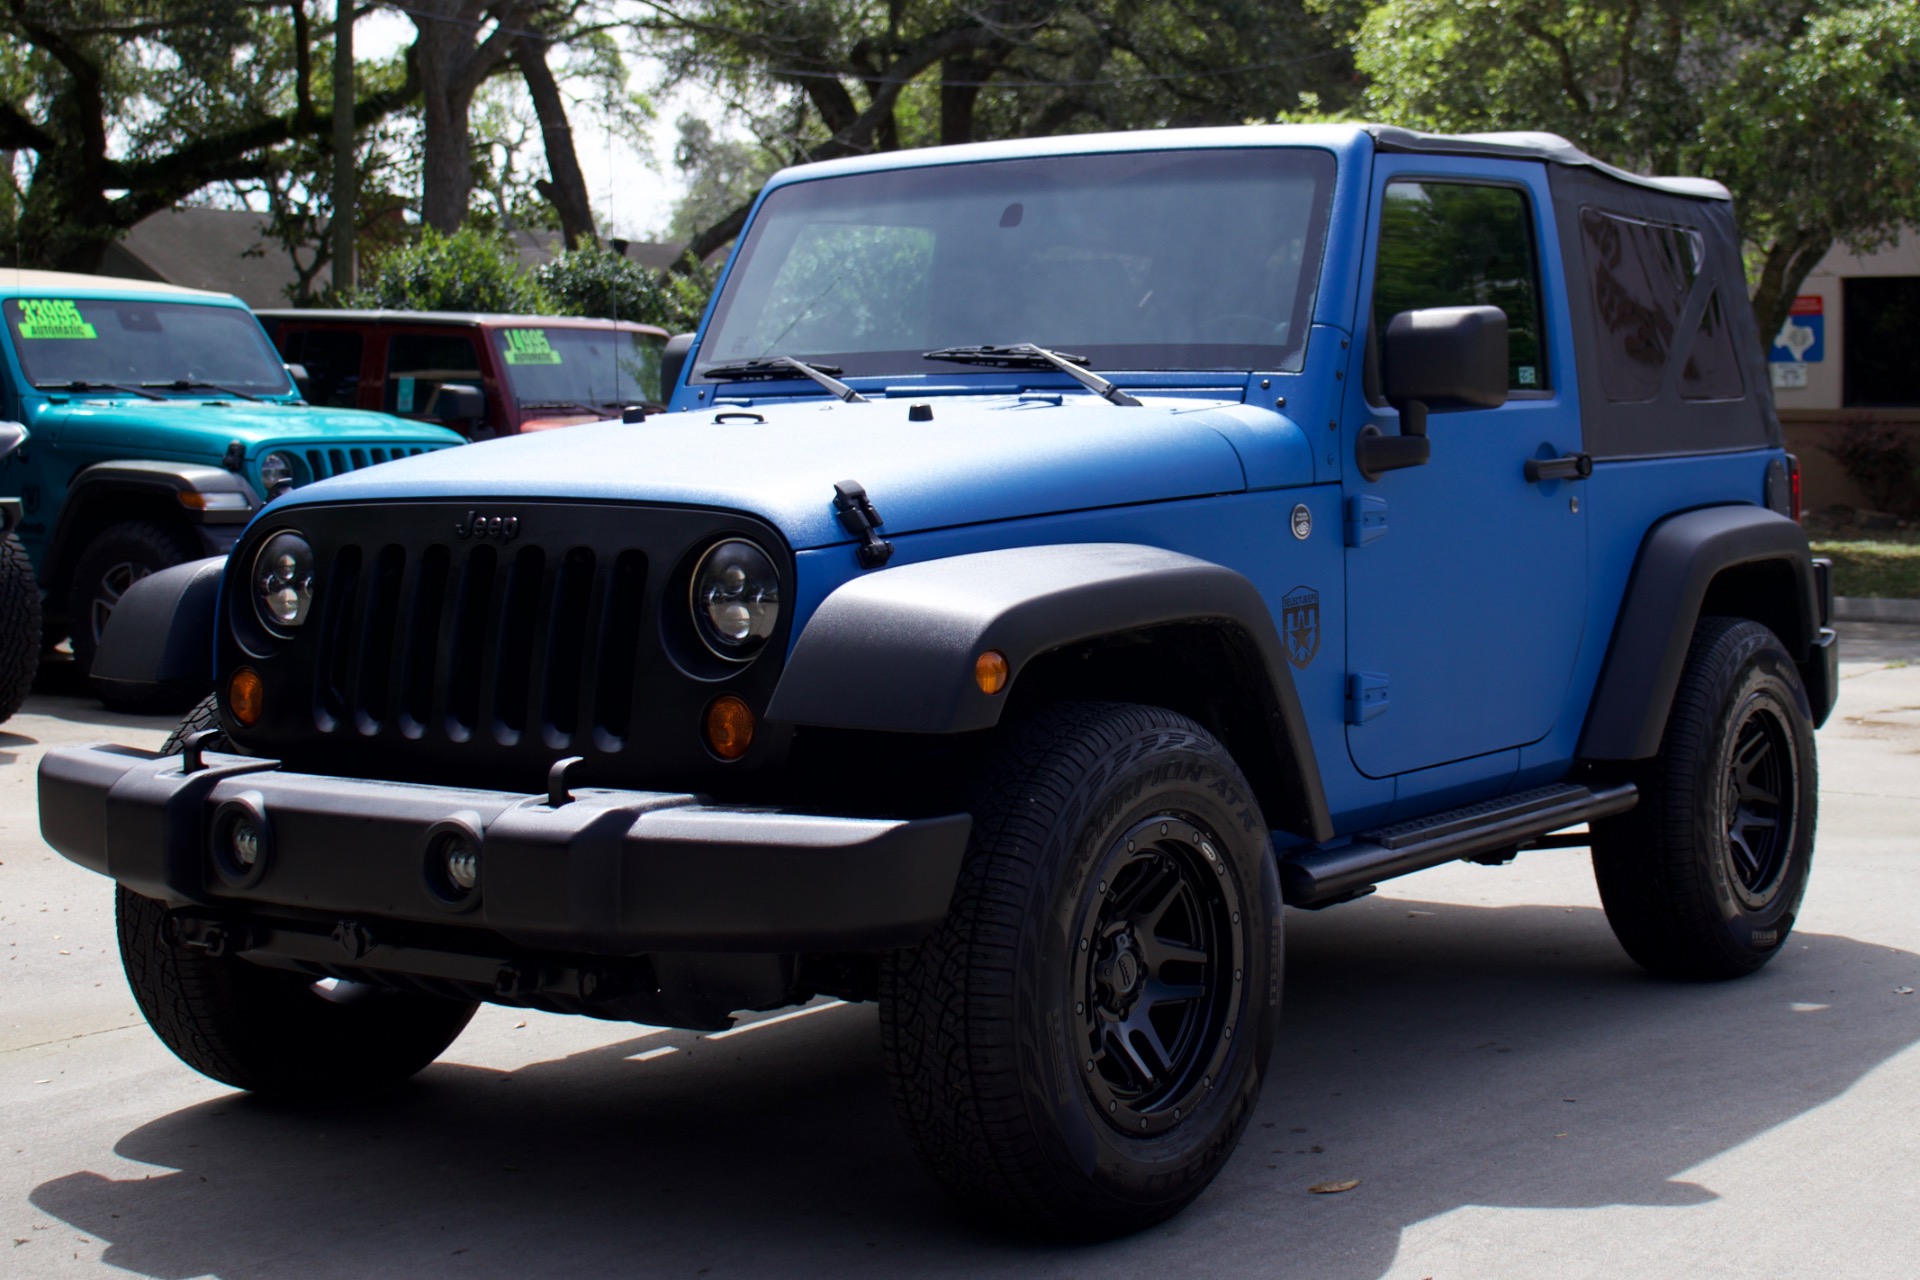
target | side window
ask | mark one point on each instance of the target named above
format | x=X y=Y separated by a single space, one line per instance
x=1450 y=244
x=419 y=364
x=1645 y=277
x=332 y=361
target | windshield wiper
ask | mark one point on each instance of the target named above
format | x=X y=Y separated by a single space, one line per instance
x=780 y=366
x=1024 y=355
x=80 y=385
x=188 y=384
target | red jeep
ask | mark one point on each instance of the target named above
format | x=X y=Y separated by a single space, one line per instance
x=482 y=375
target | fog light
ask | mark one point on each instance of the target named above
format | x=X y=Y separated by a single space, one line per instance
x=450 y=865
x=990 y=671
x=729 y=727
x=246 y=696
x=462 y=863
x=244 y=838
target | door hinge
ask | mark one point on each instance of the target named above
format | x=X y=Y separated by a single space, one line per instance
x=1366 y=696
x=1366 y=520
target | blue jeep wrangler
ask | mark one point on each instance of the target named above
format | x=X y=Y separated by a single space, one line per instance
x=1061 y=554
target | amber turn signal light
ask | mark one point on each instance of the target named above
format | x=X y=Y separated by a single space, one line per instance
x=990 y=671
x=246 y=696
x=729 y=727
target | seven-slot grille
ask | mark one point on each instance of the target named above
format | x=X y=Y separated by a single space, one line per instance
x=431 y=651
x=336 y=460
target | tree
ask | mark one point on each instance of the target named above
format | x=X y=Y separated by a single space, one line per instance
x=460 y=43
x=468 y=270
x=825 y=78
x=597 y=282
x=119 y=109
x=1808 y=110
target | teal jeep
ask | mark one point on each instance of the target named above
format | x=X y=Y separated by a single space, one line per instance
x=161 y=420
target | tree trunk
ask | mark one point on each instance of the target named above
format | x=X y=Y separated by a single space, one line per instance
x=1783 y=270
x=453 y=62
x=566 y=190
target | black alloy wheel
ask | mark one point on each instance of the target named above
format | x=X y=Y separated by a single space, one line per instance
x=1079 y=1045
x=1158 y=963
x=1703 y=878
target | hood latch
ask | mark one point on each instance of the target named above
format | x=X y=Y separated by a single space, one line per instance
x=856 y=512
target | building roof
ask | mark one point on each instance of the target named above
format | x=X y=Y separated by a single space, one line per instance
x=227 y=250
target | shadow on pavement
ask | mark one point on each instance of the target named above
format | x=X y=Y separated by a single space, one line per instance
x=1444 y=1055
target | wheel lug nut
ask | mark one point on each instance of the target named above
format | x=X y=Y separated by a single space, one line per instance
x=1080 y=1006
x=1163 y=828
x=1089 y=1064
x=1112 y=1107
x=1143 y=1124
x=1083 y=944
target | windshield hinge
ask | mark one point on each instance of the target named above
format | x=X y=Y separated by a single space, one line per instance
x=856 y=512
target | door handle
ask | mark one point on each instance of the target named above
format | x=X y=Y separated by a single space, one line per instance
x=1571 y=466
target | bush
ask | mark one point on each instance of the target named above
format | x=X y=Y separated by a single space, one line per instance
x=466 y=271
x=598 y=282
x=1880 y=460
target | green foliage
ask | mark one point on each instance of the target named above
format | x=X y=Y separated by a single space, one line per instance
x=1808 y=110
x=1887 y=566
x=1880 y=459
x=120 y=108
x=818 y=79
x=599 y=282
x=468 y=270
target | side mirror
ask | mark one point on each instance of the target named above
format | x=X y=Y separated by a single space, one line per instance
x=1436 y=358
x=673 y=362
x=460 y=406
x=302 y=381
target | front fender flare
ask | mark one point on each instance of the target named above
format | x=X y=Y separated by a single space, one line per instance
x=894 y=651
x=161 y=632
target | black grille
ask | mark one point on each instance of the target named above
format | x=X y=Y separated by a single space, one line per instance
x=336 y=460
x=435 y=656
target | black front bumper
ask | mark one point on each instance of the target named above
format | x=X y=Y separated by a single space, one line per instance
x=608 y=873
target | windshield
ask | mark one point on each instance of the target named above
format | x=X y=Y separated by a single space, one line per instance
x=587 y=368
x=125 y=343
x=1140 y=260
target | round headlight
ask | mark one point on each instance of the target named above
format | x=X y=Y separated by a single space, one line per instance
x=736 y=598
x=276 y=469
x=283 y=581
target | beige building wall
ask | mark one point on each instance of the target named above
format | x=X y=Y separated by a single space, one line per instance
x=1813 y=415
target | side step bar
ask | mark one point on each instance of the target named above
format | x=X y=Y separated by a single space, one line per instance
x=1319 y=876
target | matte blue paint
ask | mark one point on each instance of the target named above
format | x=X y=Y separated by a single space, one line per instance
x=1487 y=602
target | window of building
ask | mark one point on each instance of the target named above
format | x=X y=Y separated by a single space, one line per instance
x=1880 y=316
x=1447 y=244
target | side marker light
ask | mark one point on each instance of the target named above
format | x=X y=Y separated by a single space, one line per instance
x=990 y=671
x=246 y=696
x=729 y=727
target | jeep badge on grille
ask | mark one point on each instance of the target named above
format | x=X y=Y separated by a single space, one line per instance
x=505 y=528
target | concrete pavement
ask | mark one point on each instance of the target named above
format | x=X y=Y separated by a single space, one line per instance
x=1515 y=1098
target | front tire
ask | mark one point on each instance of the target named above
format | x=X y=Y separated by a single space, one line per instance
x=1078 y=1047
x=19 y=626
x=1703 y=878
x=117 y=558
x=269 y=1030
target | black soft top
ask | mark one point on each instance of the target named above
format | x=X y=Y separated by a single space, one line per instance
x=1550 y=147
